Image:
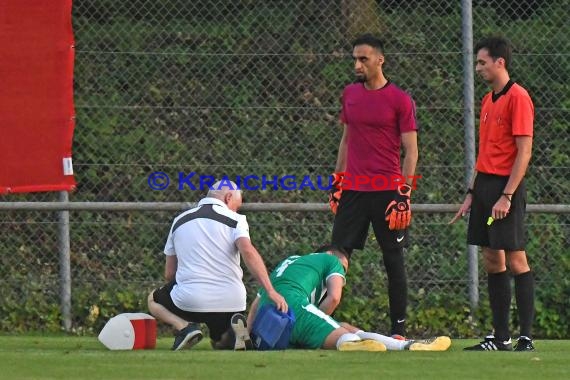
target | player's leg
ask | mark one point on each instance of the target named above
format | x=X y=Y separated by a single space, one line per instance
x=486 y=190
x=338 y=337
x=343 y=340
x=440 y=343
x=499 y=289
x=315 y=329
x=392 y=244
x=390 y=343
x=351 y=221
x=510 y=233
x=524 y=295
x=397 y=288
x=162 y=307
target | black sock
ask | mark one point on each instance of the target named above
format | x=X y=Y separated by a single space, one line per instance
x=524 y=294
x=500 y=299
x=397 y=288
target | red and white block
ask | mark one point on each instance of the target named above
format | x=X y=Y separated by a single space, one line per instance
x=129 y=331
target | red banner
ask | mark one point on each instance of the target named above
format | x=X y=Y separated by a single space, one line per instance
x=36 y=96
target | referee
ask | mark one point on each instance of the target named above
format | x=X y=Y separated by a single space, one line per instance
x=496 y=198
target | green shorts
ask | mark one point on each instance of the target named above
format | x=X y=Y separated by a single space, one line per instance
x=312 y=326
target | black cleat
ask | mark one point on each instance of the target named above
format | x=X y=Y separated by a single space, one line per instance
x=187 y=337
x=524 y=343
x=491 y=344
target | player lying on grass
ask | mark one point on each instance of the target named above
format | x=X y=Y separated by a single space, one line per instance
x=318 y=279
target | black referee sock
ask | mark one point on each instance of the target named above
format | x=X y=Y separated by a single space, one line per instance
x=397 y=288
x=524 y=294
x=499 y=285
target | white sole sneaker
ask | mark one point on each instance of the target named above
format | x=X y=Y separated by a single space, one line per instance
x=239 y=326
x=191 y=338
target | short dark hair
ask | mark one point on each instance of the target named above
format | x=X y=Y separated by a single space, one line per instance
x=370 y=40
x=333 y=248
x=498 y=47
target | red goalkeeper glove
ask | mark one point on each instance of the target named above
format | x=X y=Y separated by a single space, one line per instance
x=336 y=191
x=398 y=213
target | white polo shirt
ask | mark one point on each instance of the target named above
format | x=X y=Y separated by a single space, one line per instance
x=208 y=276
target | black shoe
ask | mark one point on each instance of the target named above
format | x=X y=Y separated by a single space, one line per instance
x=187 y=337
x=239 y=327
x=524 y=343
x=491 y=344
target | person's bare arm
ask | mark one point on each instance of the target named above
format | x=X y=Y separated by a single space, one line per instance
x=170 y=267
x=524 y=152
x=342 y=151
x=410 y=145
x=252 y=313
x=466 y=206
x=334 y=294
x=255 y=264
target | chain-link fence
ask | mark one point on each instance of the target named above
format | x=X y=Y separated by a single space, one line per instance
x=252 y=87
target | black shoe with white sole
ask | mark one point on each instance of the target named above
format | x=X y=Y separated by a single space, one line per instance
x=524 y=343
x=187 y=337
x=491 y=344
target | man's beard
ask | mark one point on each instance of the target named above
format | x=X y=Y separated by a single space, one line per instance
x=360 y=78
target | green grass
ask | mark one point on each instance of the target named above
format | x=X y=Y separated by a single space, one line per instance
x=65 y=357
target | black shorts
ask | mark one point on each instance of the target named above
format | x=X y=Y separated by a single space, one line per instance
x=356 y=210
x=508 y=233
x=217 y=323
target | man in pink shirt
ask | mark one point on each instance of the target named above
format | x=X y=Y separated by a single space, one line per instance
x=378 y=120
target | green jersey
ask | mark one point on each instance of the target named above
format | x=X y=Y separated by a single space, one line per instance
x=305 y=276
x=302 y=280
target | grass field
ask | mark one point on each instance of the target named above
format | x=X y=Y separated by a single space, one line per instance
x=64 y=357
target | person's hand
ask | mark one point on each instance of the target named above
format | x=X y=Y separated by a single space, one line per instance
x=336 y=191
x=464 y=209
x=279 y=301
x=398 y=213
x=501 y=208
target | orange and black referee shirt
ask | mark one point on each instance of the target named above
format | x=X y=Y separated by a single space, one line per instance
x=504 y=116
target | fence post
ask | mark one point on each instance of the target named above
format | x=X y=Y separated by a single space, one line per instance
x=469 y=128
x=64 y=263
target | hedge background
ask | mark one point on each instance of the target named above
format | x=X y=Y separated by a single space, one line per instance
x=252 y=87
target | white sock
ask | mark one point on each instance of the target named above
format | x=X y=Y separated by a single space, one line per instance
x=348 y=337
x=390 y=343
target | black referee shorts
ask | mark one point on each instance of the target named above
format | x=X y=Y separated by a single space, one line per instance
x=508 y=233
x=356 y=211
x=217 y=323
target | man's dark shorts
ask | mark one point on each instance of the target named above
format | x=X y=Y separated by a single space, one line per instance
x=508 y=233
x=356 y=211
x=217 y=323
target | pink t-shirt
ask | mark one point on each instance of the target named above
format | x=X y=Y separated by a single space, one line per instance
x=375 y=121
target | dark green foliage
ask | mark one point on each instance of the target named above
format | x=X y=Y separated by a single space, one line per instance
x=253 y=88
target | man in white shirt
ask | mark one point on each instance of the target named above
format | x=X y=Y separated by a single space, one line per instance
x=203 y=273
